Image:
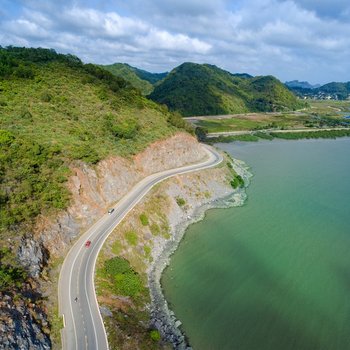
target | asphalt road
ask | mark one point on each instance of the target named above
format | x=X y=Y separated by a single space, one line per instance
x=83 y=325
x=252 y=132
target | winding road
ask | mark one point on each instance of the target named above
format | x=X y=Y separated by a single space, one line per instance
x=82 y=321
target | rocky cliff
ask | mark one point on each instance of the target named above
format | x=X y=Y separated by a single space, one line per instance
x=159 y=222
x=93 y=190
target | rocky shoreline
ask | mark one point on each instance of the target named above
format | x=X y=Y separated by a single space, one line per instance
x=162 y=318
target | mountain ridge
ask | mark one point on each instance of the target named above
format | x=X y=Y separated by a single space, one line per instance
x=332 y=90
x=139 y=78
x=204 y=89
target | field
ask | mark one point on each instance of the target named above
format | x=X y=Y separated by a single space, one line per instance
x=318 y=114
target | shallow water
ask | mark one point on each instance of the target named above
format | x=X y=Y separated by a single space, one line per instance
x=275 y=273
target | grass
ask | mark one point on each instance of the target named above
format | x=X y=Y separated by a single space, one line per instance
x=144 y=219
x=56 y=323
x=319 y=114
x=326 y=134
x=55 y=113
x=131 y=238
x=64 y=111
x=117 y=247
x=120 y=278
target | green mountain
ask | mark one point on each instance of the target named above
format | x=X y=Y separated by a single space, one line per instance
x=138 y=78
x=203 y=89
x=334 y=90
x=340 y=90
x=54 y=110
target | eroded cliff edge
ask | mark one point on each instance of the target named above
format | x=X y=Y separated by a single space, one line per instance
x=93 y=190
x=146 y=238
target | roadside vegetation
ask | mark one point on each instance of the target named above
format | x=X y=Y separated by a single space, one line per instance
x=121 y=281
x=55 y=112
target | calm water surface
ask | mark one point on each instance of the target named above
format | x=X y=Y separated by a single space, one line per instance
x=275 y=273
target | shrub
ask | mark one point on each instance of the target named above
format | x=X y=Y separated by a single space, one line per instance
x=24 y=72
x=33 y=176
x=6 y=137
x=116 y=266
x=180 y=201
x=144 y=219
x=128 y=284
x=155 y=229
x=125 y=129
x=147 y=250
x=131 y=237
x=176 y=120
x=25 y=114
x=237 y=182
x=10 y=274
x=45 y=97
x=85 y=153
x=201 y=133
x=125 y=280
x=155 y=335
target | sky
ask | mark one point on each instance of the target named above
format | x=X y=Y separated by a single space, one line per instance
x=293 y=39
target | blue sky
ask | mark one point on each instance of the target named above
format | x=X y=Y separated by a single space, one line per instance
x=294 y=39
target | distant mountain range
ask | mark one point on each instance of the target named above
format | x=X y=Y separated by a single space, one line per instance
x=334 y=91
x=203 y=89
x=301 y=84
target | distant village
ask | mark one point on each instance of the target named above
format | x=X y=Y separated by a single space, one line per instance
x=320 y=95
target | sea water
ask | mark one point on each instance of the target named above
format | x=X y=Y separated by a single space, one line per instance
x=275 y=273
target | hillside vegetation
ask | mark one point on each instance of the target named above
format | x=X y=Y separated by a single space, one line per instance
x=334 y=90
x=202 y=89
x=54 y=110
x=140 y=79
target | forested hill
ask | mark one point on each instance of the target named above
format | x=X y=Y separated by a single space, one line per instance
x=139 y=78
x=203 y=89
x=334 y=90
x=55 y=110
x=341 y=90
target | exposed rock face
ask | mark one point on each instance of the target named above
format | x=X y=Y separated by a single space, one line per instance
x=95 y=189
x=32 y=255
x=214 y=184
x=22 y=323
x=171 y=206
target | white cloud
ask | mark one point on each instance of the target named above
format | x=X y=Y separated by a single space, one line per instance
x=291 y=39
x=158 y=39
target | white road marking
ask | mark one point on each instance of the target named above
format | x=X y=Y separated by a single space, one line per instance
x=129 y=202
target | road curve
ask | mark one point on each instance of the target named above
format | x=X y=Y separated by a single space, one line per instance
x=82 y=321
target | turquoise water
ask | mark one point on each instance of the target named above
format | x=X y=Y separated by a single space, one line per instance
x=275 y=273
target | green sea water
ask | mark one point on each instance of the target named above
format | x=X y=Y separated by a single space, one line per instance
x=275 y=273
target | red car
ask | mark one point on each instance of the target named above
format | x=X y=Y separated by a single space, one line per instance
x=87 y=244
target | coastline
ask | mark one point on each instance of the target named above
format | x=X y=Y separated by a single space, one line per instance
x=162 y=317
